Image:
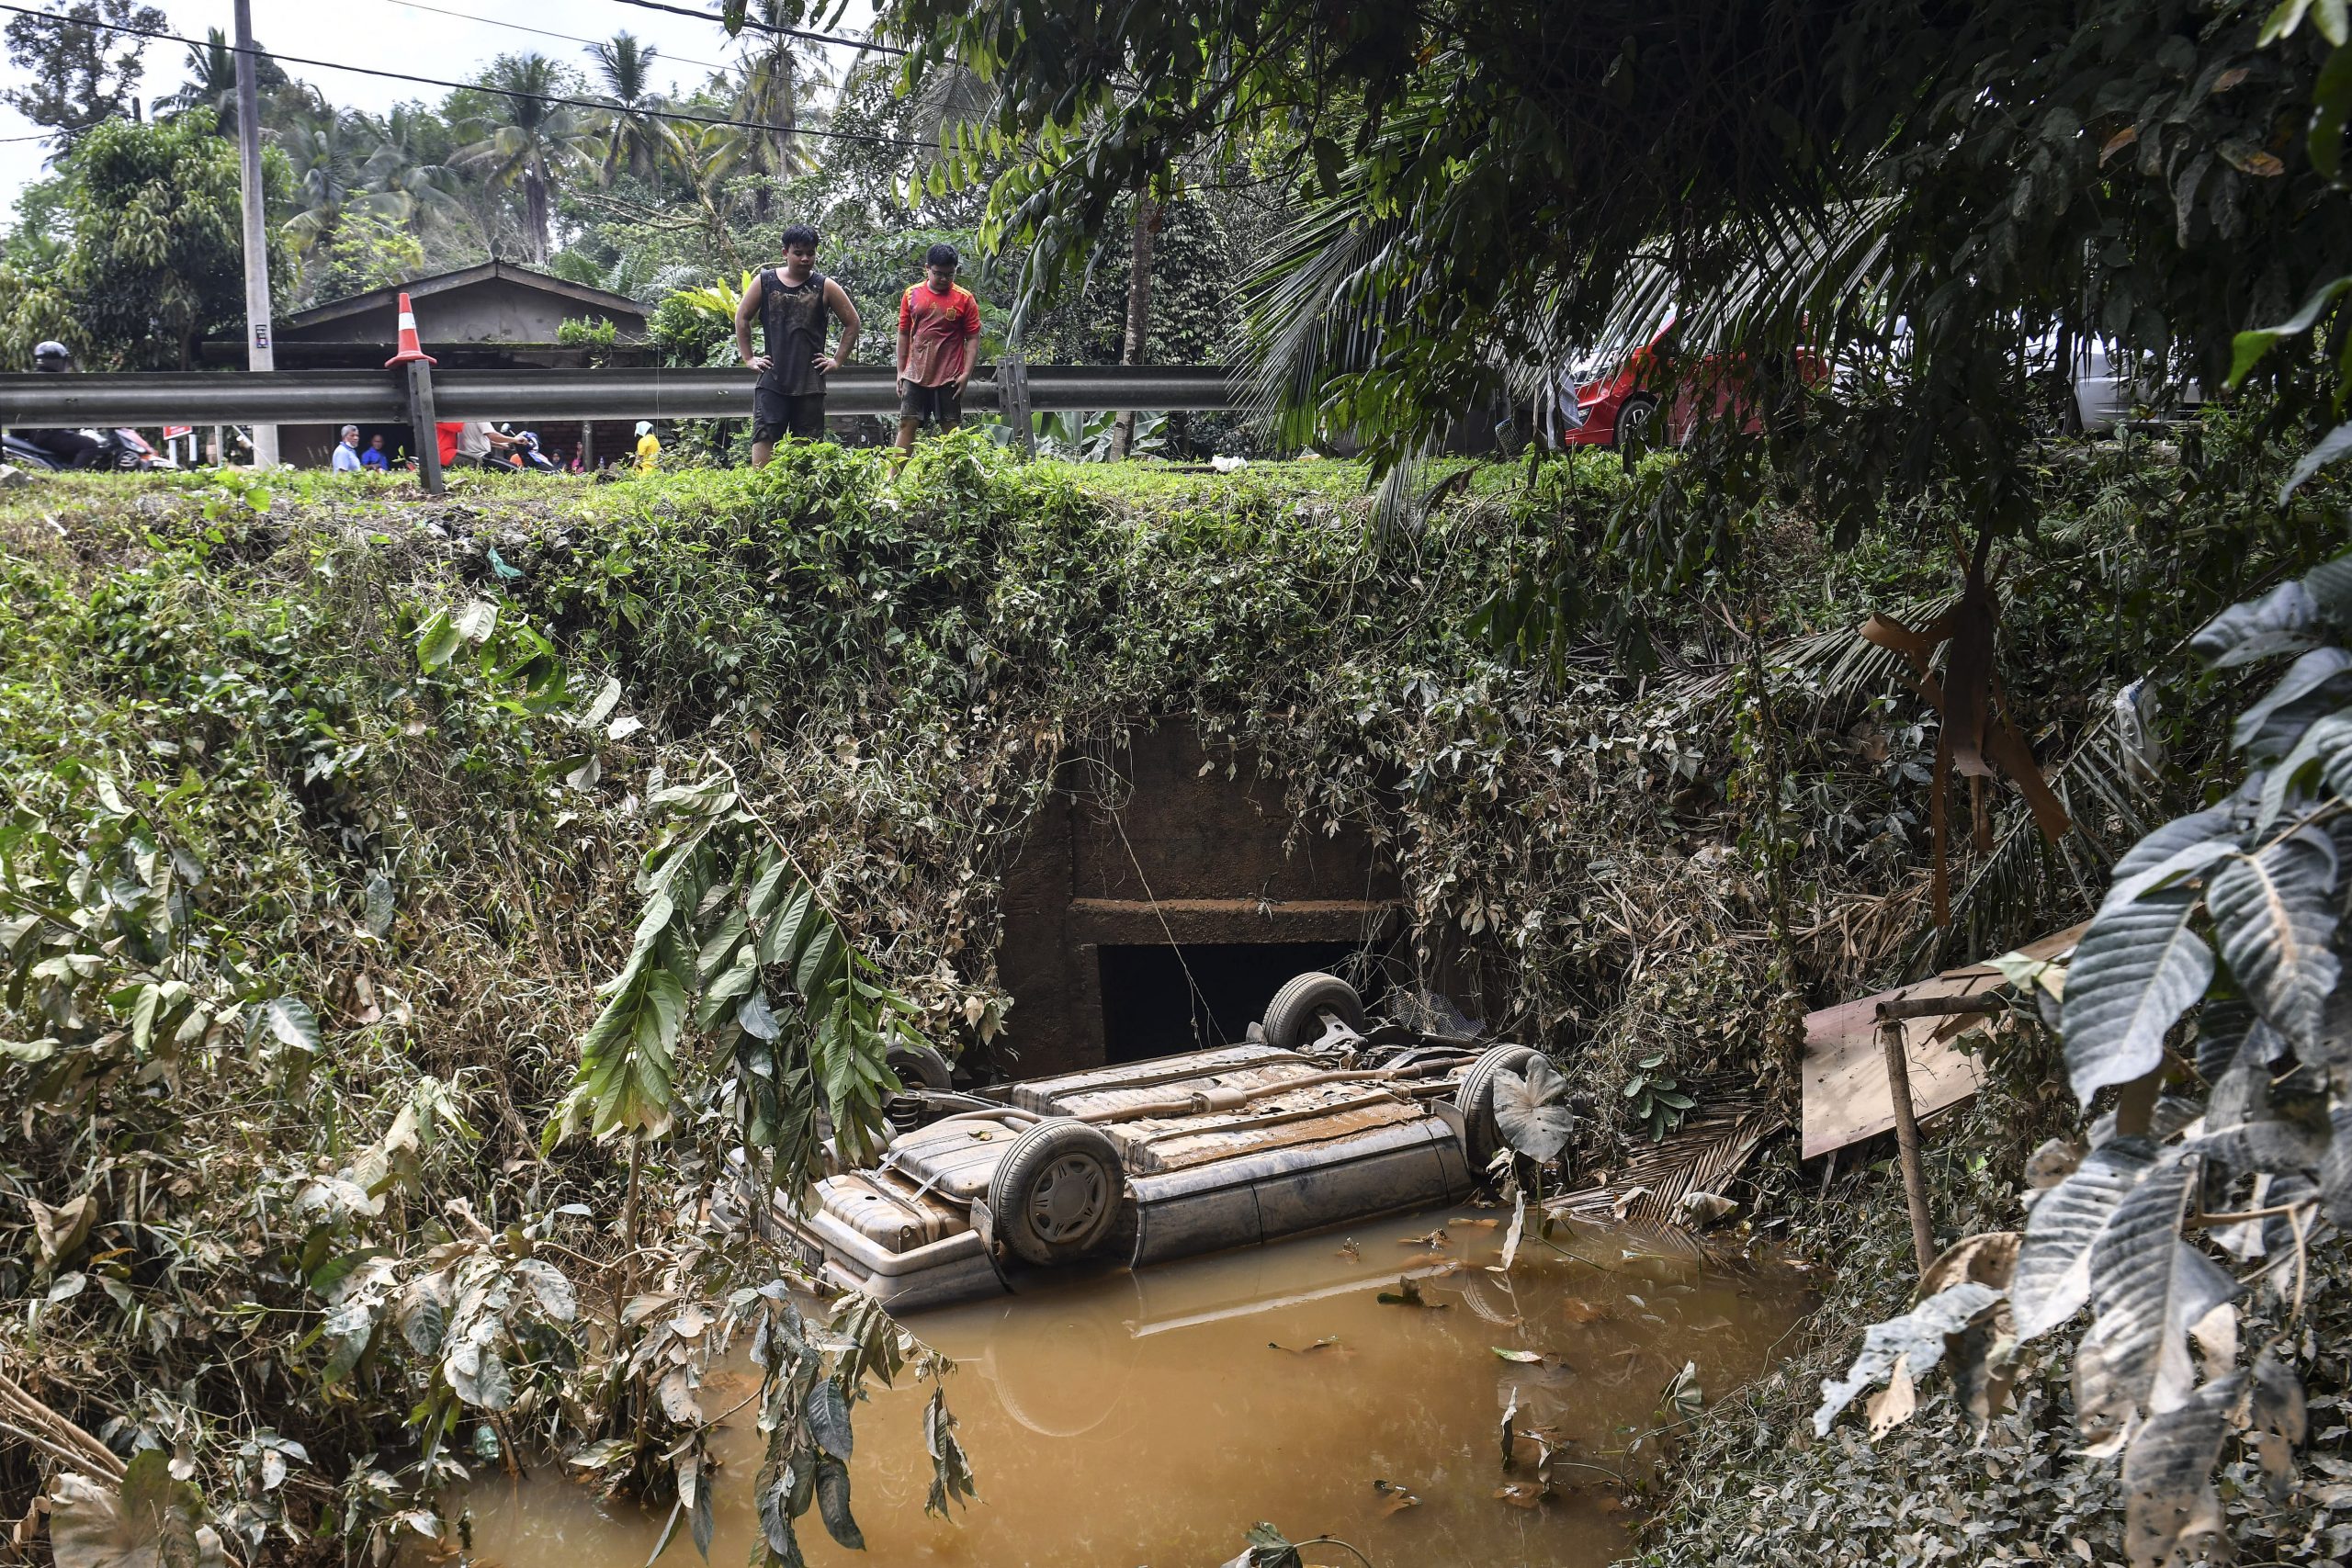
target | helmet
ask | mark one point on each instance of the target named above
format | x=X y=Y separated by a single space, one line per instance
x=49 y=350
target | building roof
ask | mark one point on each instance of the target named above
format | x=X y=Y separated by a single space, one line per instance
x=375 y=299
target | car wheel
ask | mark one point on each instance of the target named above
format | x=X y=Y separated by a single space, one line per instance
x=1634 y=416
x=1475 y=1099
x=1290 y=1017
x=1055 y=1192
x=920 y=1066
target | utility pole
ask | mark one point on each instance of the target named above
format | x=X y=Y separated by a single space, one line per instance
x=258 y=354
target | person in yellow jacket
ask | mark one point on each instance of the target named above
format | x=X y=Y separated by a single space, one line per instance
x=649 y=446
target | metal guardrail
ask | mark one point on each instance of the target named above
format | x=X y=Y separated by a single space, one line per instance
x=383 y=397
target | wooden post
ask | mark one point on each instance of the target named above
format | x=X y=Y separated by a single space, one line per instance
x=1891 y=1015
x=421 y=424
x=1907 y=1140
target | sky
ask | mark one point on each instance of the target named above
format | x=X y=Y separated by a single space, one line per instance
x=422 y=37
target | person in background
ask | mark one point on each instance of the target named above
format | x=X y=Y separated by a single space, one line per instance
x=70 y=447
x=938 y=322
x=481 y=446
x=374 y=457
x=347 y=451
x=790 y=302
x=649 y=446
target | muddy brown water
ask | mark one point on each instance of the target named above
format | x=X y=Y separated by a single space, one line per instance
x=1149 y=1418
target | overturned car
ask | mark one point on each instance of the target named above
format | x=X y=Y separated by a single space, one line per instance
x=1321 y=1117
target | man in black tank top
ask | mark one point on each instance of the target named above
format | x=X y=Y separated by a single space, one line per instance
x=790 y=303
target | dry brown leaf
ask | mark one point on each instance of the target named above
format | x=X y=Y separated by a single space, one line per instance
x=1989 y=1258
x=2117 y=142
x=1482 y=1224
x=1575 y=1309
x=1434 y=1240
x=1893 y=1406
x=1519 y=1494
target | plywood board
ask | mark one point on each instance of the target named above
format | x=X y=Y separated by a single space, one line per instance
x=1846 y=1096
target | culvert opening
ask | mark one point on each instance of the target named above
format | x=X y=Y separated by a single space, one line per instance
x=1158 y=999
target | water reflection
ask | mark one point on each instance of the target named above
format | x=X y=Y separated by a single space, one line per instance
x=1150 y=1417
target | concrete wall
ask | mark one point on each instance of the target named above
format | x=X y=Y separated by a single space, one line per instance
x=1189 y=858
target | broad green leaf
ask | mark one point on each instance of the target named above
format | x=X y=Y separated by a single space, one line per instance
x=2285 y=620
x=2330 y=102
x=476 y=621
x=832 y=1504
x=2052 y=1277
x=2168 y=1493
x=2275 y=916
x=1530 y=1112
x=437 y=641
x=2147 y=1287
x=556 y=1298
x=152 y=1522
x=292 y=1022
x=607 y=699
x=826 y=1412
x=2331 y=446
x=2250 y=346
x=2312 y=687
x=775 y=1518
x=2137 y=970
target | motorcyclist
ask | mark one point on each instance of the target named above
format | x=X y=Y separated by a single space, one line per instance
x=72 y=448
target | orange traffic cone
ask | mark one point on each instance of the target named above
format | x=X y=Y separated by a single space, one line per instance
x=411 y=350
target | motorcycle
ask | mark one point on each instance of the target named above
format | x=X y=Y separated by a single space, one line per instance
x=120 y=449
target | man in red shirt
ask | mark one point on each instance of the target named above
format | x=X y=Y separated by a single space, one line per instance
x=937 y=323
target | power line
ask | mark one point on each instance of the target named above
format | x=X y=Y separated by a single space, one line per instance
x=478 y=88
x=543 y=32
x=768 y=27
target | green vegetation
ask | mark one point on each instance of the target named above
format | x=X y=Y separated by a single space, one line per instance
x=330 y=808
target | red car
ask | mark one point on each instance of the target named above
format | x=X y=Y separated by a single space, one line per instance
x=1612 y=407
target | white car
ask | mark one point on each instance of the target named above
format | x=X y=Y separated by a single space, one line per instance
x=1318 y=1119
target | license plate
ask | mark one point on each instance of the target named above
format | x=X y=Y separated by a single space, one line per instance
x=808 y=1253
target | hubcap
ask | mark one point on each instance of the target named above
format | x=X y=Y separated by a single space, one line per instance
x=1068 y=1199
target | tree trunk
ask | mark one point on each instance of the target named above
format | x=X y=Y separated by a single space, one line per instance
x=535 y=208
x=1122 y=432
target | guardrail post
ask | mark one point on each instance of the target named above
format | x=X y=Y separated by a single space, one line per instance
x=1012 y=401
x=420 y=424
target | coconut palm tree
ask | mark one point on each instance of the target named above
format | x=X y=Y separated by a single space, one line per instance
x=529 y=143
x=780 y=73
x=409 y=163
x=631 y=137
x=213 y=81
x=327 y=148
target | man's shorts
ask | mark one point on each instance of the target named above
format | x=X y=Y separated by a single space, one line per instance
x=774 y=414
x=941 y=404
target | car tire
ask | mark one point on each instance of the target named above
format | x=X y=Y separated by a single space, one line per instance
x=920 y=1066
x=1634 y=416
x=1476 y=1100
x=1056 y=1193
x=1290 y=1017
